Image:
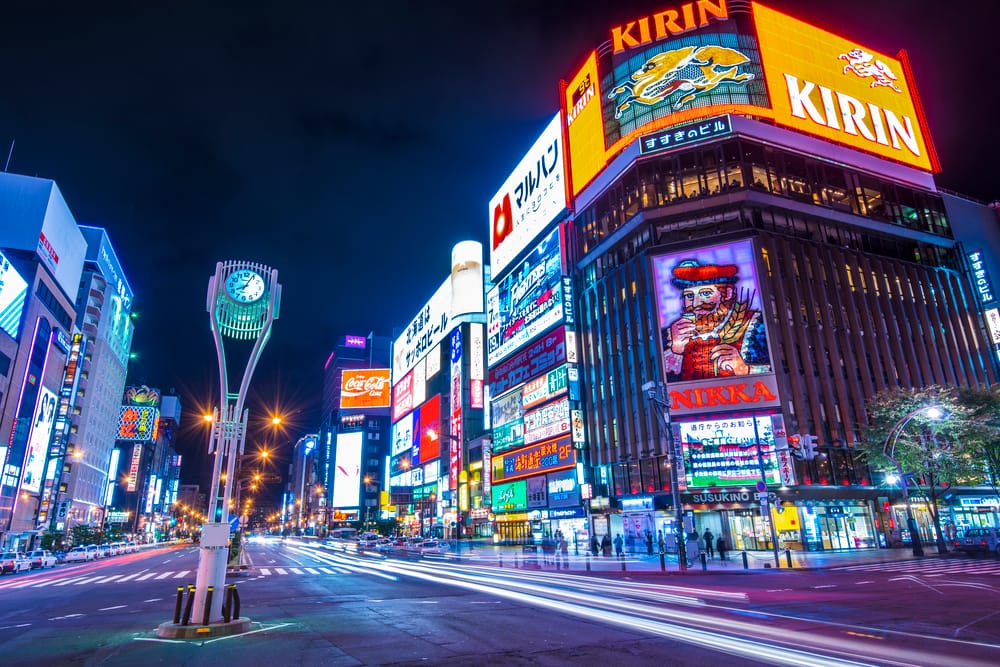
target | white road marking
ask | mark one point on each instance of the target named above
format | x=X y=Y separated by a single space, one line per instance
x=295 y=570
x=825 y=586
x=129 y=576
x=327 y=570
x=104 y=580
x=165 y=574
x=153 y=600
x=87 y=580
x=59 y=618
x=65 y=582
x=266 y=572
x=311 y=570
x=180 y=574
x=280 y=570
x=120 y=606
x=146 y=576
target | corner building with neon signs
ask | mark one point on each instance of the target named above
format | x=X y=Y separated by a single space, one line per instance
x=753 y=226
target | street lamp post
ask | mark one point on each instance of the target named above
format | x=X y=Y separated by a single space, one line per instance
x=654 y=392
x=889 y=449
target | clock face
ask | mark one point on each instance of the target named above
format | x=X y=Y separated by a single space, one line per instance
x=245 y=286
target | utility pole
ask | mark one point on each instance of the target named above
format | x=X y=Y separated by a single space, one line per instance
x=654 y=392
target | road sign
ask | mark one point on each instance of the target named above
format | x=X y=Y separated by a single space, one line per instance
x=234 y=523
x=761 y=486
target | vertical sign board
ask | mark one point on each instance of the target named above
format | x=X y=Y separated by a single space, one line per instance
x=477 y=365
x=981 y=277
x=456 y=409
x=133 y=469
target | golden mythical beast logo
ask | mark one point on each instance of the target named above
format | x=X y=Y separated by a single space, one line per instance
x=692 y=70
x=865 y=65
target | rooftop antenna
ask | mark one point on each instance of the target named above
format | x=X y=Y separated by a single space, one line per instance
x=9 y=153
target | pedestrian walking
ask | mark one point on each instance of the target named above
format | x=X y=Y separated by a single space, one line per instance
x=659 y=541
x=709 y=543
x=720 y=544
x=618 y=545
x=606 y=545
x=562 y=552
x=594 y=546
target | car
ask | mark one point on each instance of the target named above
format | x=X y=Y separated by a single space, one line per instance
x=14 y=561
x=41 y=559
x=979 y=541
x=433 y=547
x=80 y=553
x=94 y=552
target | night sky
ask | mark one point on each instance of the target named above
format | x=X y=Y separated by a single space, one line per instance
x=350 y=145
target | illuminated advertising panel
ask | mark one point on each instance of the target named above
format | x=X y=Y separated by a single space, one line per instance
x=667 y=82
x=13 y=291
x=712 y=328
x=532 y=197
x=477 y=365
x=38 y=441
x=402 y=396
x=133 y=468
x=427 y=437
x=538 y=357
x=424 y=331
x=688 y=133
x=347 y=475
x=563 y=489
x=547 y=421
x=981 y=277
x=358 y=342
x=419 y=374
x=455 y=441
x=723 y=452
x=526 y=302
x=433 y=360
x=466 y=278
x=833 y=87
x=507 y=421
x=584 y=125
x=553 y=384
x=511 y=497
x=992 y=316
x=536 y=491
x=402 y=435
x=548 y=456
x=364 y=388
x=137 y=423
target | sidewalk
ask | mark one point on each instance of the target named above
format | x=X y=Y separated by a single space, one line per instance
x=516 y=556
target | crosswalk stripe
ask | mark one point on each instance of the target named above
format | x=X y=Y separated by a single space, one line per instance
x=182 y=573
x=165 y=574
x=129 y=576
x=146 y=576
x=295 y=570
x=311 y=570
x=266 y=572
x=86 y=580
x=104 y=580
x=66 y=582
x=327 y=570
x=280 y=570
x=42 y=584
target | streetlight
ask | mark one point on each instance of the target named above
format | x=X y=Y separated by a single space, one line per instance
x=935 y=413
x=654 y=392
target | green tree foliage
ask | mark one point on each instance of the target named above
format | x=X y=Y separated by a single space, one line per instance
x=933 y=453
x=984 y=406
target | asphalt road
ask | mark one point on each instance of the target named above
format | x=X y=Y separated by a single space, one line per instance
x=320 y=606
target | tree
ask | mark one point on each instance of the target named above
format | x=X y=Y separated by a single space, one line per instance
x=984 y=405
x=934 y=454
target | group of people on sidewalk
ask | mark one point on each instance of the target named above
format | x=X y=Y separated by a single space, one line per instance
x=712 y=544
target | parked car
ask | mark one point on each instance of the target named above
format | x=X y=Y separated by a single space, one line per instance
x=80 y=553
x=14 y=561
x=93 y=552
x=979 y=541
x=41 y=559
x=433 y=547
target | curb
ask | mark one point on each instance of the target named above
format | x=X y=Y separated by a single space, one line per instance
x=170 y=630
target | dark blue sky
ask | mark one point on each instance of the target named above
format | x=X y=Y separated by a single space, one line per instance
x=350 y=145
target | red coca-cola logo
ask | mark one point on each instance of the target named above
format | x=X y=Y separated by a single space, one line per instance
x=372 y=385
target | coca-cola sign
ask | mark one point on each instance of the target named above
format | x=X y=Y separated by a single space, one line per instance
x=365 y=388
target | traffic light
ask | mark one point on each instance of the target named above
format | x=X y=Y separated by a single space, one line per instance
x=808 y=447
x=795 y=445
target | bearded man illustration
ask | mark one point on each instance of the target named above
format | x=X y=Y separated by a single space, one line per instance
x=718 y=333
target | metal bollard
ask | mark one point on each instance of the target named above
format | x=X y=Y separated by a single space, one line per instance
x=178 y=604
x=517 y=561
x=225 y=604
x=588 y=562
x=500 y=559
x=236 y=603
x=208 y=605
x=746 y=564
x=187 y=607
x=663 y=562
x=622 y=559
x=704 y=561
x=788 y=557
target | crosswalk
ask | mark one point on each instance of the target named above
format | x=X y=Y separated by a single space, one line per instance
x=931 y=567
x=156 y=575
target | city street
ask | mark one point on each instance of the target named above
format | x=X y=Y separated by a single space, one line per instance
x=319 y=605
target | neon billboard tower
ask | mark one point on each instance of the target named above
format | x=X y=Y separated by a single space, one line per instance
x=243 y=302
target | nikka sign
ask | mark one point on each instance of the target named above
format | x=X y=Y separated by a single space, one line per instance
x=723 y=394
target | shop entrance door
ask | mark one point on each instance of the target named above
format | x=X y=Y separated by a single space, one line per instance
x=833 y=531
